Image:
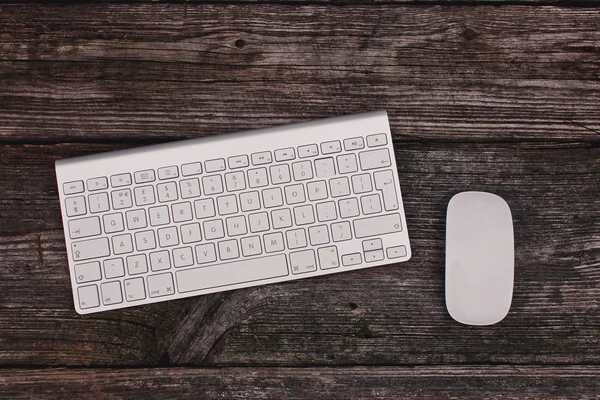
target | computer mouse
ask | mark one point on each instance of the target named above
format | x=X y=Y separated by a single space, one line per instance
x=480 y=258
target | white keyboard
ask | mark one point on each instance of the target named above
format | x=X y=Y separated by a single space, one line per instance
x=207 y=215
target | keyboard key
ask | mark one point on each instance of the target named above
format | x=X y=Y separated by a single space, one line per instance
x=373 y=255
x=168 y=237
x=212 y=184
x=99 y=183
x=361 y=183
x=341 y=231
x=280 y=174
x=88 y=249
x=88 y=296
x=372 y=244
x=166 y=192
x=238 y=161
x=294 y=194
x=113 y=268
x=396 y=252
x=213 y=229
x=296 y=238
x=347 y=163
x=206 y=253
x=273 y=242
x=318 y=235
x=73 y=187
x=349 y=208
x=374 y=159
x=98 y=202
x=303 y=262
x=84 y=227
x=331 y=147
x=249 y=201
x=191 y=169
x=227 y=205
x=235 y=181
x=136 y=219
x=251 y=246
x=326 y=211
x=215 y=165
x=385 y=181
x=304 y=215
x=121 y=199
x=317 y=190
x=161 y=285
x=370 y=204
x=262 y=158
x=258 y=222
x=113 y=223
x=145 y=240
x=168 y=172
x=309 y=150
x=257 y=177
x=189 y=188
x=183 y=257
x=228 y=250
x=272 y=197
x=134 y=289
x=137 y=264
x=285 y=154
x=302 y=170
x=190 y=233
x=281 y=218
x=204 y=208
x=351 y=259
x=339 y=186
x=182 y=212
x=144 y=195
x=328 y=257
x=160 y=260
x=379 y=139
x=324 y=167
x=88 y=272
x=144 y=176
x=231 y=273
x=356 y=143
x=122 y=244
x=236 y=225
x=375 y=226
x=111 y=293
x=159 y=215
x=120 y=180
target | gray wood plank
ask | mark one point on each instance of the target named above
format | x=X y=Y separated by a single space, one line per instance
x=307 y=383
x=165 y=71
x=388 y=315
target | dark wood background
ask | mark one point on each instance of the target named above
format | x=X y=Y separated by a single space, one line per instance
x=500 y=96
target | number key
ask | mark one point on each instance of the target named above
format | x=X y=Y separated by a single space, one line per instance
x=121 y=199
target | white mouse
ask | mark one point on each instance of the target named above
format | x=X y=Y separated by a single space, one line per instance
x=480 y=258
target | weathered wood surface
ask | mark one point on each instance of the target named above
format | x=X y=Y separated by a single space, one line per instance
x=145 y=72
x=503 y=99
x=304 y=383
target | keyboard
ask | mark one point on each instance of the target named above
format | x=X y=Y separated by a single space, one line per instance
x=206 y=215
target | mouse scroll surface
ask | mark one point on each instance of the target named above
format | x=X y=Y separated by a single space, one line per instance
x=479 y=258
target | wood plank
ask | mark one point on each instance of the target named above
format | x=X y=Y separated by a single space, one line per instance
x=389 y=315
x=307 y=383
x=166 y=71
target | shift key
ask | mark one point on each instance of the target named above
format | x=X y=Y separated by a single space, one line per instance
x=88 y=249
x=375 y=226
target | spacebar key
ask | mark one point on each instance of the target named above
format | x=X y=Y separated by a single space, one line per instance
x=232 y=273
x=375 y=226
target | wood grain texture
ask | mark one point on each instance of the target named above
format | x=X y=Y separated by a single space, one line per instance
x=383 y=316
x=302 y=383
x=156 y=72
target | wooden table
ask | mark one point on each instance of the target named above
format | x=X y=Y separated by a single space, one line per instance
x=499 y=97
